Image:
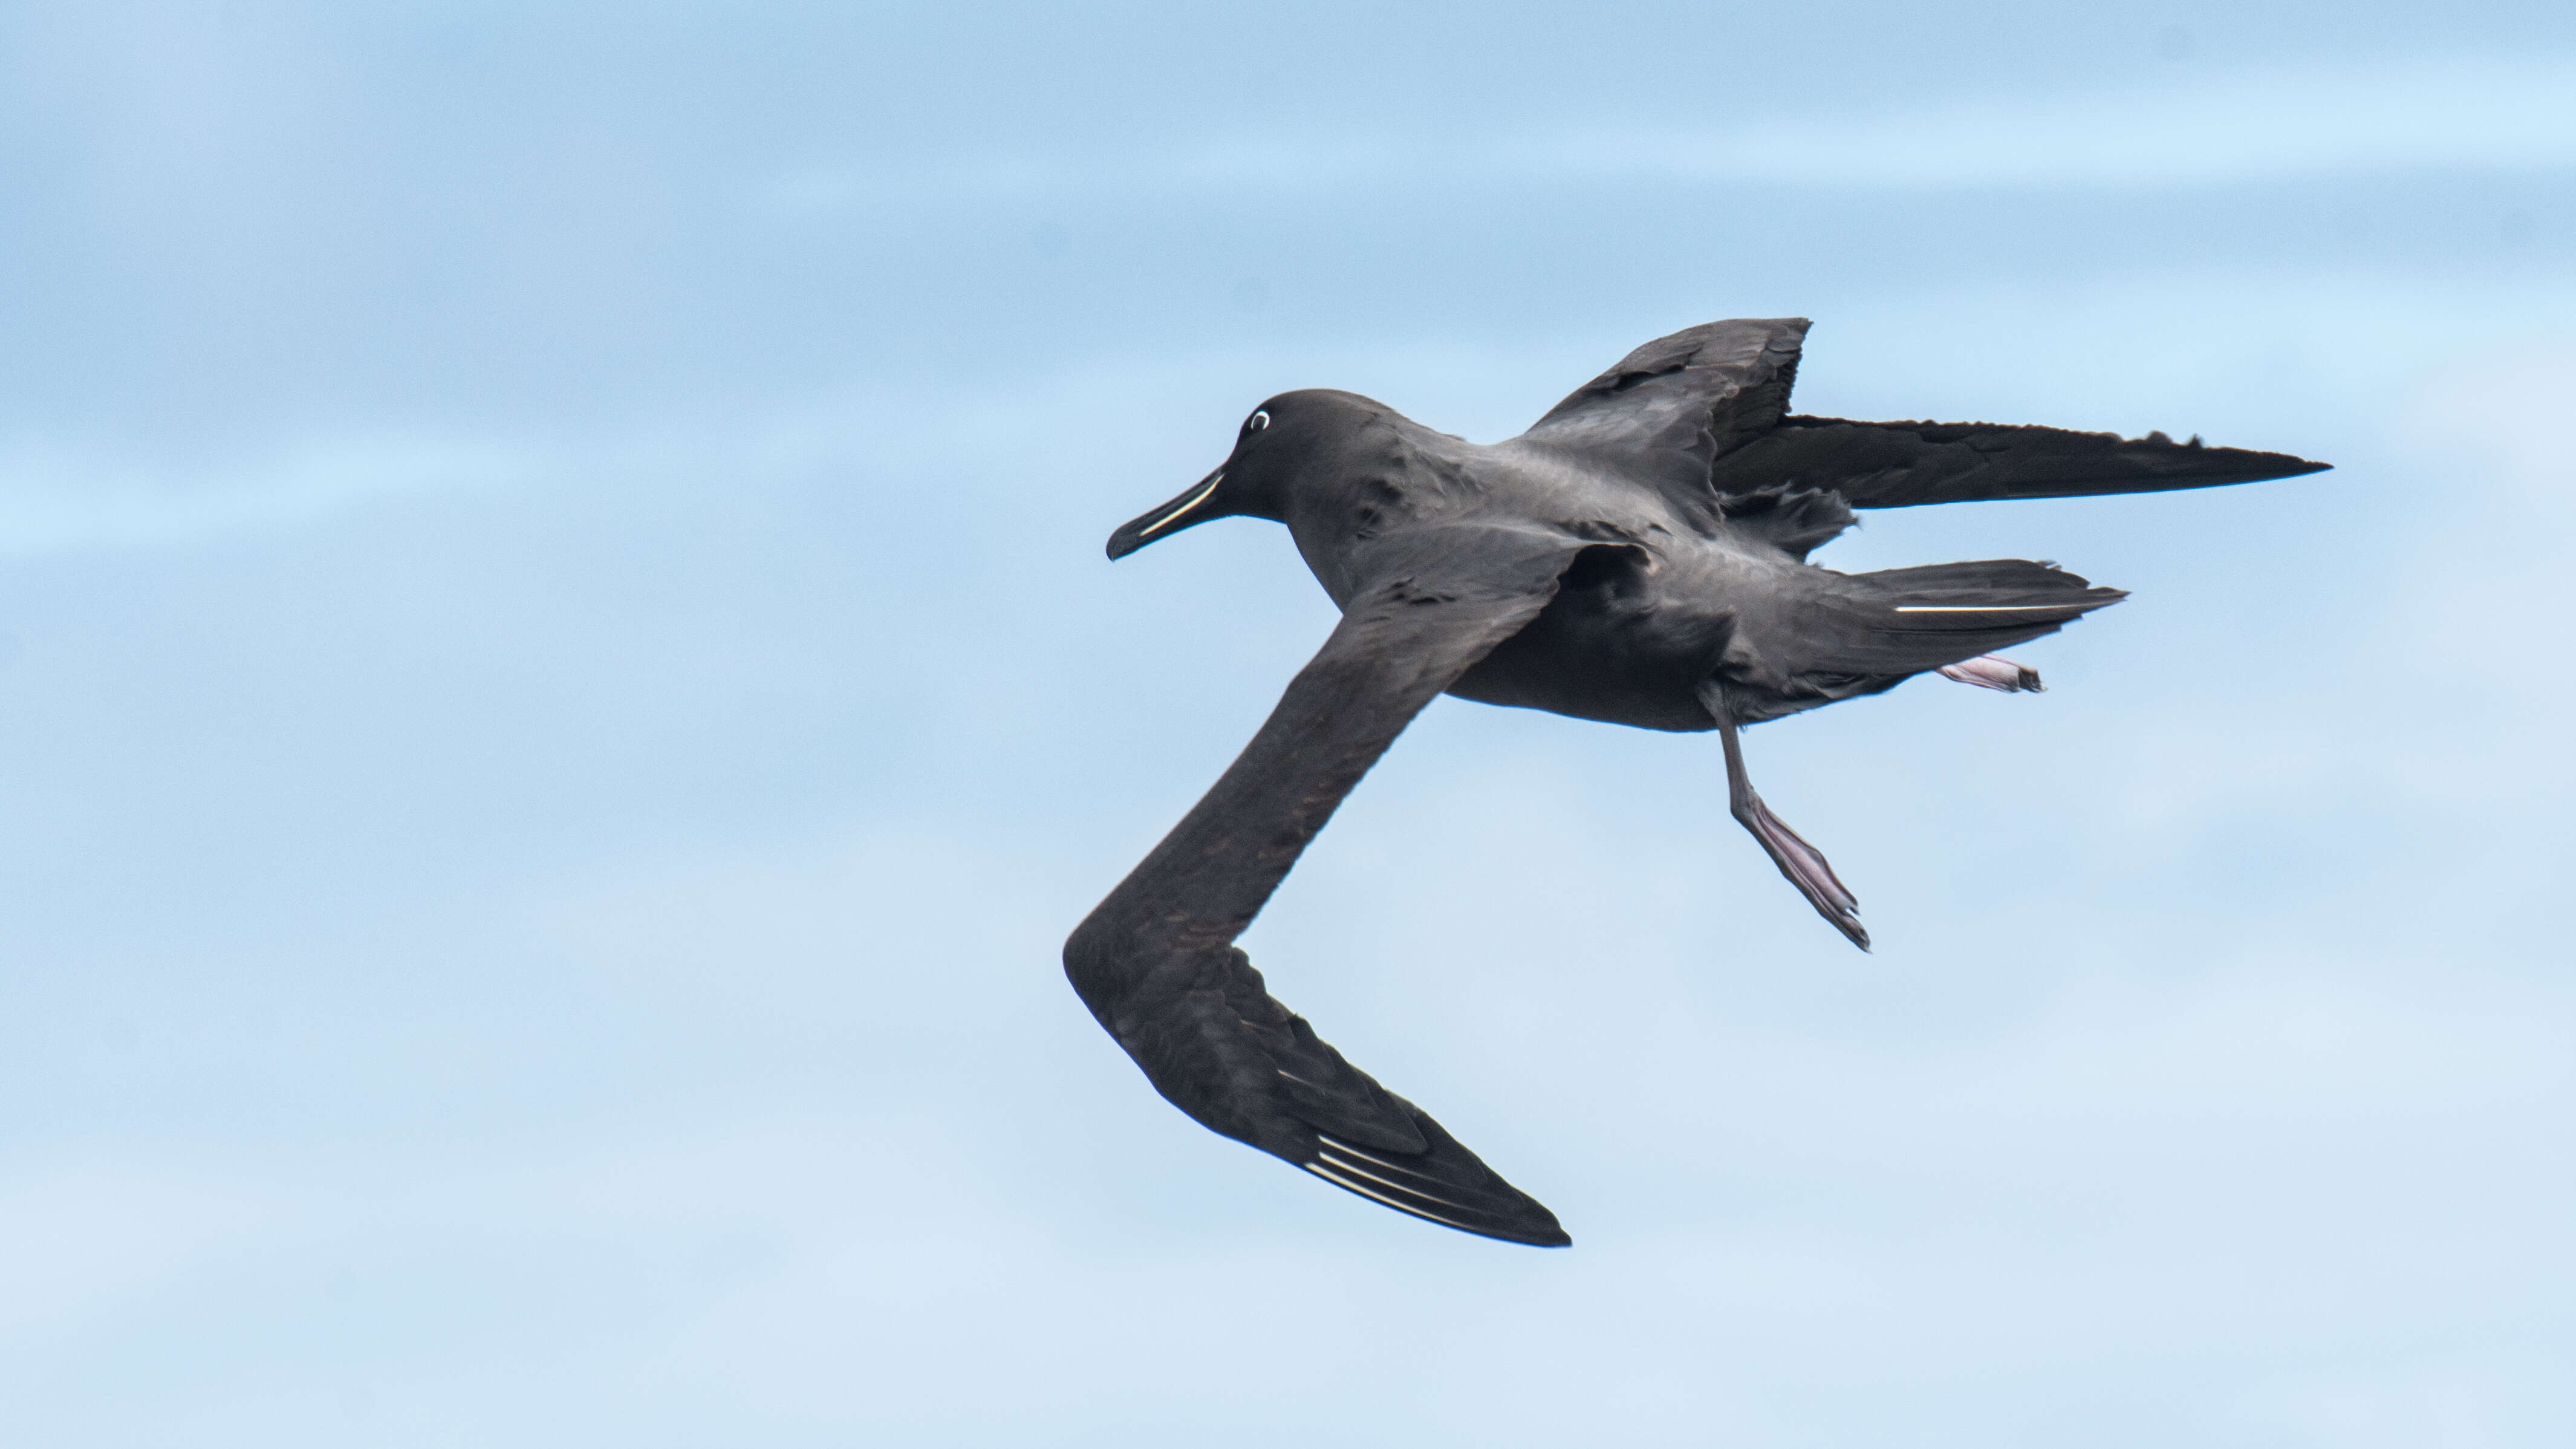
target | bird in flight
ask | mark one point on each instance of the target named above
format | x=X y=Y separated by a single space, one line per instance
x=1638 y=556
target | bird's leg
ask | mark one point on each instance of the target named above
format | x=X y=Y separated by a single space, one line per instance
x=1803 y=864
x=1993 y=671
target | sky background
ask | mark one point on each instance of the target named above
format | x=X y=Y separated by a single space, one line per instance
x=559 y=694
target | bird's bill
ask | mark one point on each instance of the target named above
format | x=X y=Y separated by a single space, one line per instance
x=1191 y=507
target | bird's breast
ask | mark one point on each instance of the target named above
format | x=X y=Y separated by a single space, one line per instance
x=1628 y=639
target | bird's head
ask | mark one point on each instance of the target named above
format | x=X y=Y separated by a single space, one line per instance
x=1286 y=442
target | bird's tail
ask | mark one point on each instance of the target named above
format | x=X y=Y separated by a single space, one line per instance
x=1900 y=622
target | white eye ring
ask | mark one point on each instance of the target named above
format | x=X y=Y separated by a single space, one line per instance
x=1260 y=419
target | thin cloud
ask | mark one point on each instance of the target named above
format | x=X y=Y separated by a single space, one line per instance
x=2251 y=126
x=2248 y=126
x=53 y=500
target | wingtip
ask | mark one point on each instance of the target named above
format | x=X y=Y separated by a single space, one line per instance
x=1526 y=1222
x=1446 y=1185
x=2273 y=467
x=1550 y=1236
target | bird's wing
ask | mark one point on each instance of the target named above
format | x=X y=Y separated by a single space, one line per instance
x=1675 y=406
x=1156 y=961
x=1703 y=414
x=1898 y=465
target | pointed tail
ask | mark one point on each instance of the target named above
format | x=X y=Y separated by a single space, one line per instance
x=1900 y=622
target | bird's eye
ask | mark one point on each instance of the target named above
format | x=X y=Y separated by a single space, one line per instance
x=1257 y=421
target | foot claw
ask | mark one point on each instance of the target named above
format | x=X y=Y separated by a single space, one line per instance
x=1993 y=671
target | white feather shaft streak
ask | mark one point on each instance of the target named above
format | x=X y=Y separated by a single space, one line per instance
x=1388 y=1182
x=1347 y=1150
x=1337 y=1180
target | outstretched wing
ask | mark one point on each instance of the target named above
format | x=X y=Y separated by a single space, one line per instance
x=1703 y=414
x=1898 y=465
x=1673 y=407
x=1156 y=962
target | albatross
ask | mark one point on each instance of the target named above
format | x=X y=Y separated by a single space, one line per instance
x=1638 y=556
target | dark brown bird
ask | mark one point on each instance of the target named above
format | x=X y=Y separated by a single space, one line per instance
x=1638 y=556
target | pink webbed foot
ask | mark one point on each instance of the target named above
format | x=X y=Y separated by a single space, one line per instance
x=1802 y=863
x=1806 y=868
x=1993 y=671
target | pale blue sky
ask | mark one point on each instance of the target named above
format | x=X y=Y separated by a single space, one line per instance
x=558 y=694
